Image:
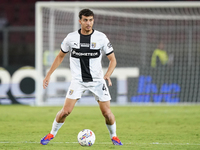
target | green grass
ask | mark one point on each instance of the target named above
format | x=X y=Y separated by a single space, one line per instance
x=138 y=127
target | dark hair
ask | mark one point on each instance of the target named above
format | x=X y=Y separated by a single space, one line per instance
x=85 y=12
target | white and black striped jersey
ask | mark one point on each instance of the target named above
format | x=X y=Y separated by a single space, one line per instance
x=86 y=53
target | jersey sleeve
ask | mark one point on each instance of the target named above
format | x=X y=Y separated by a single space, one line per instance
x=108 y=49
x=65 y=47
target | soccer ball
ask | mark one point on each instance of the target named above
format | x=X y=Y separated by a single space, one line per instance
x=86 y=137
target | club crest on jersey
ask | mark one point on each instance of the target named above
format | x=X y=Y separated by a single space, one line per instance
x=71 y=92
x=93 y=45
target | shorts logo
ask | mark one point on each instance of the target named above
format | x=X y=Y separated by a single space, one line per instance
x=71 y=92
x=93 y=45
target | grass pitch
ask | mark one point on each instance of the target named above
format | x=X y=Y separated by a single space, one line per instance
x=138 y=127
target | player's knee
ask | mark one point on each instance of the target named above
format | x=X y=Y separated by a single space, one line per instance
x=107 y=114
x=65 y=113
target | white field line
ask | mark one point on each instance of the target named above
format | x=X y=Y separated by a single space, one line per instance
x=101 y=143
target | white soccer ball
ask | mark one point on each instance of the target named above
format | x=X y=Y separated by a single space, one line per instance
x=86 y=137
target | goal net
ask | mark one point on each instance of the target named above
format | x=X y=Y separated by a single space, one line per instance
x=156 y=45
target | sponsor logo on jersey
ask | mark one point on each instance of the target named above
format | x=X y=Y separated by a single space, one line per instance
x=109 y=45
x=90 y=54
x=85 y=44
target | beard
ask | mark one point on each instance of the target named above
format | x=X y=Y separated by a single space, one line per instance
x=88 y=28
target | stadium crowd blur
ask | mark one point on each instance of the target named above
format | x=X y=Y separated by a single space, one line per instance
x=18 y=17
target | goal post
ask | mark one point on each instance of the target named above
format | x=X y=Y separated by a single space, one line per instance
x=156 y=45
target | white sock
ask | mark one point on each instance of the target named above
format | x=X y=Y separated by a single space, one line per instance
x=55 y=127
x=112 y=129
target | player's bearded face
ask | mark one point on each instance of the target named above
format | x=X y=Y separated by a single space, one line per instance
x=87 y=23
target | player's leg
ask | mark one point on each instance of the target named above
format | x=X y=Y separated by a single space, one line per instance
x=110 y=121
x=74 y=92
x=62 y=114
x=59 y=120
x=102 y=95
x=66 y=110
x=106 y=112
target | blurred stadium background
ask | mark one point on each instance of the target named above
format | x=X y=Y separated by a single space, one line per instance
x=166 y=51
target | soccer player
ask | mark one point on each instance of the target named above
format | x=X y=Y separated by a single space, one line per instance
x=85 y=47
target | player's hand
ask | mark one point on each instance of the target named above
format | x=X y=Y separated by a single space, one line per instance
x=46 y=82
x=108 y=79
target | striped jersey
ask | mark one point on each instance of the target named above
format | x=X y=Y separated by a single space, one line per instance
x=86 y=54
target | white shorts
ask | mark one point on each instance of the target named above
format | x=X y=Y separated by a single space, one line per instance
x=98 y=88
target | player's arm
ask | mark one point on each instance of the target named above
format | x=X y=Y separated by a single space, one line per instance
x=111 y=67
x=59 y=58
